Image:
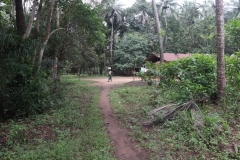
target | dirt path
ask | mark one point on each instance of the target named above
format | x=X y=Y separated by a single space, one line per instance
x=125 y=148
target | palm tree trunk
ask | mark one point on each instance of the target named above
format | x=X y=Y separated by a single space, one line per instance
x=221 y=79
x=158 y=30
x=111 y=45
x=166 y=37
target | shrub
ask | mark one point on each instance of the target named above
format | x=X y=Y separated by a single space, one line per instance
x=26 y=96
x=195 y=76
x=232 y=70
x=23 y=90
x=150 y=74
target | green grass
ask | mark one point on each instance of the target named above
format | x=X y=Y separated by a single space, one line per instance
x=74 y=130
x=178 y=138
x=130 y=101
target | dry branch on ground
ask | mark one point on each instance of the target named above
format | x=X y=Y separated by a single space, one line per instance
x=168 y=111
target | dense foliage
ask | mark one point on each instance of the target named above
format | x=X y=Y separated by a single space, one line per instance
x=195 y=76
x=130 y=52
x=23 y=91
x=71 y=31
x=233 y=31
x=232 y=72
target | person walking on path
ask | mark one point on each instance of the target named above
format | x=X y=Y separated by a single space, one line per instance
x=110 y=76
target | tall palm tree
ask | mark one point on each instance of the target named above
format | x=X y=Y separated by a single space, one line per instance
x=207 y=17
x=168 y=6
x=140 y=16
x=221 y=79
x=114 y=19
x=165 y=6
x=158 y=30
x=189 y=14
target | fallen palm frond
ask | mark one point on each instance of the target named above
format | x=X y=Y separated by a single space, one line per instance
x=170 y=110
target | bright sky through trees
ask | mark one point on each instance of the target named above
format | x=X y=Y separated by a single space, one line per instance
x=129 y=3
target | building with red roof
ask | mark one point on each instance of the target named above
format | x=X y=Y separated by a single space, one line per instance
x=167 y=57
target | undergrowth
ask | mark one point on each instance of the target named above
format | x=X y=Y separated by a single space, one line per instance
x=73 y=130
x=178 y=138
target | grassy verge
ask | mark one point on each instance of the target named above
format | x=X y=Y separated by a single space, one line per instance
x=73 y=130
x=178 y=138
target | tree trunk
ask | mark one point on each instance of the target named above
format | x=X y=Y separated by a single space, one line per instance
x=38 y=15
x=111 y=45
x=13 y=15
x=48 y=29
x=158 y=30
x=49 y=19
x=40 y=55
x=20 y=20
x=24 y=8
x=221 y=79
x=29 y=26
x=166 y=37
x=55 y=70
x=57 y=16
x=79 y=71
x=33 y=58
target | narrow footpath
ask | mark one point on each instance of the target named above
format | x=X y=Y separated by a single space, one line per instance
x=125 y=148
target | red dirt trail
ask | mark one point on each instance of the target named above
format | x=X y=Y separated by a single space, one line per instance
x=125 y=148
